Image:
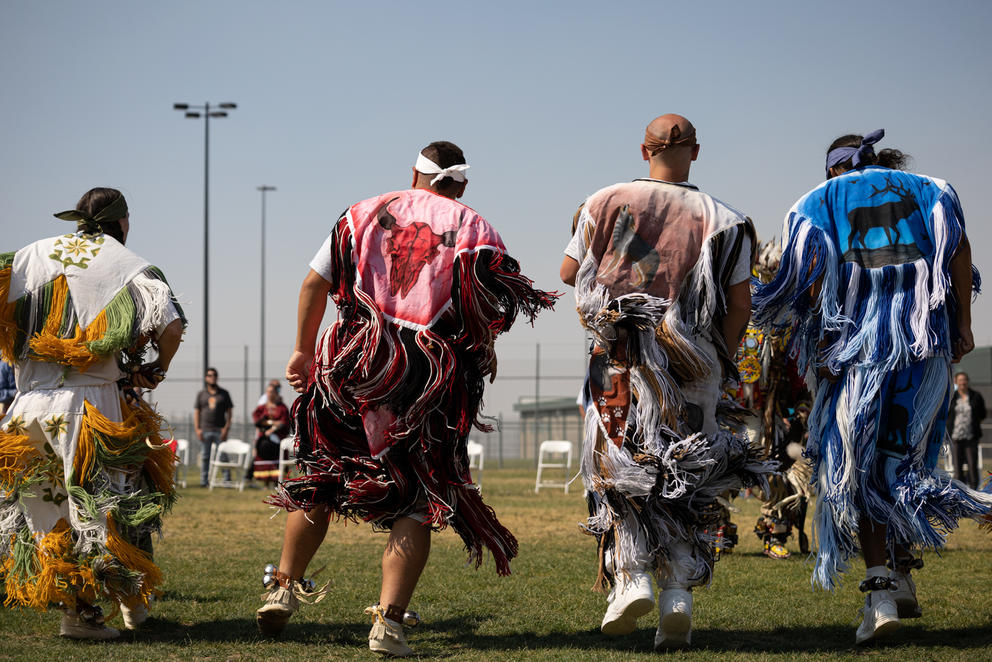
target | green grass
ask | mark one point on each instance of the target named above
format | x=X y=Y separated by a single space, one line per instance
x=756 y=609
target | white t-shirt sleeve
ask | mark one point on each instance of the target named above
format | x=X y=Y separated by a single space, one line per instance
x=169 y=316
x=578 y=246
x=742 y=270
x=321 y=262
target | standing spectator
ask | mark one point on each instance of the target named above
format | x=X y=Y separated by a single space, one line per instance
x=8 y=387
x=272 y=421
x=212 y=418
x=964 y=424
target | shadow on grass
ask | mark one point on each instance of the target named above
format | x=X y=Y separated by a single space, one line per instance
x=177 y=596
x=450 y=637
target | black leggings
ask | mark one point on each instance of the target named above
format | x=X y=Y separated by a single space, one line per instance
x=965 y=451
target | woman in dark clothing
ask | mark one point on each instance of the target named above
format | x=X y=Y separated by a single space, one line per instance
x=964 y=425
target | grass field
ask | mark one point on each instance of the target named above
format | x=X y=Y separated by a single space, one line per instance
x=756 y=609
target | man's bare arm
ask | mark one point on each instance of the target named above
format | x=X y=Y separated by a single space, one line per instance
x=313 y=302
x=168 y=345
x=569 y=270
x=738 y=314
x=961 y=284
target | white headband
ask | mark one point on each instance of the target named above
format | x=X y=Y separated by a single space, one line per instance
x=428 y=167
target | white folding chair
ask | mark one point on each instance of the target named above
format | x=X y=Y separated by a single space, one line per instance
x=237 y=455
x=182 y=453
x=550 y=449
x=287 y=457
x=476 y=460
x=948 y=457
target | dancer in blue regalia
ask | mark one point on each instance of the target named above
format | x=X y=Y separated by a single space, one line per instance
x=876 y=284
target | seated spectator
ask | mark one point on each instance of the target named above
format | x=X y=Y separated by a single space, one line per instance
x=272 y=421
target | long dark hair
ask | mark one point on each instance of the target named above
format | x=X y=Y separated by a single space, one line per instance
x=887 y=158
x=93 y=201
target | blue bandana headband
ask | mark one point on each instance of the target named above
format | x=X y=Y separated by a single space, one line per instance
x=858 y=155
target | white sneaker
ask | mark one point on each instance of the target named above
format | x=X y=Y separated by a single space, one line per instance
x=387 y=636
x=675 y=623
x=881 y=617
x=75 y=627
x=631 y=598
x=134 y=617
x=280 y=603
x=903 y=593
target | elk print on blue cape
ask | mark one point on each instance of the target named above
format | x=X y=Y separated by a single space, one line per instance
x=881 y=242
x=885 y=224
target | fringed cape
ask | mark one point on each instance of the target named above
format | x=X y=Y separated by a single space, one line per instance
x=878 y=244
x=84 y=479
x=651 y=290
x=423 y=286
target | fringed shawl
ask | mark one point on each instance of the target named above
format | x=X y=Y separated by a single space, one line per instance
x=670 y=246
x=651 y=289
x=77 y=299
x=423 y=286
x=880 y=242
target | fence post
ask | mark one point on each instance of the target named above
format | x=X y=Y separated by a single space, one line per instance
x=499 y=429
x=244 y=412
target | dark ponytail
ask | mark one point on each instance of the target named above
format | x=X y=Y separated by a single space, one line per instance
x=887 y=158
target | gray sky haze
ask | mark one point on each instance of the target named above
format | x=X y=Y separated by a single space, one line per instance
x=548 y=100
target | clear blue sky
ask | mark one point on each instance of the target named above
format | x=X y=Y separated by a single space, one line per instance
x=548 y=100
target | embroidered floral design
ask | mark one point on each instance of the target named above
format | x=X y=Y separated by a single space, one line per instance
x=52 y=496
x=16 y=425
x=56 y=425
x=72 y=246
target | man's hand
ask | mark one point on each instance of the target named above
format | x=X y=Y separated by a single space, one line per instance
x=964 y=344
x=148 y=376
x=298 y=370
x=199 y=434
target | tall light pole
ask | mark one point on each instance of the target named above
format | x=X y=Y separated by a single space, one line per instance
x=261 y=366
x=194 y=112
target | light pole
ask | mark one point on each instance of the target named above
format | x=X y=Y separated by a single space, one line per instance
x=261 y=366
x=194 y=113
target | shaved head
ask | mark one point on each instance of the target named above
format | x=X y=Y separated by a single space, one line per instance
x=669 y=131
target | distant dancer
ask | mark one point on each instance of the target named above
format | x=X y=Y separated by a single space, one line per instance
x=964 y=425
x=212 y=412
x=84 y=476
x=662 y=281
x=875 y=285
x=772 y=386
x=423 y=286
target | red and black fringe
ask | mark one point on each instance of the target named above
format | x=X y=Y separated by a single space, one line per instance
x=432 y=380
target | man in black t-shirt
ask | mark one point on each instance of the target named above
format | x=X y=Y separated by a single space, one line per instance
x=212 y=419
